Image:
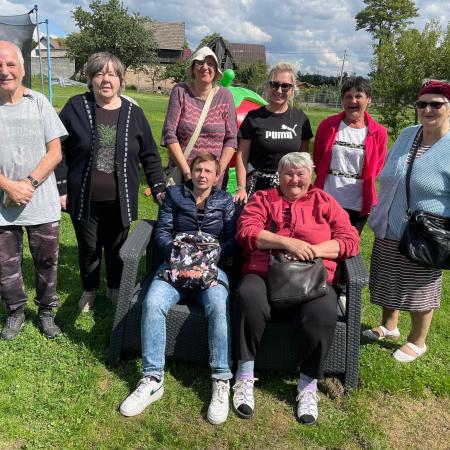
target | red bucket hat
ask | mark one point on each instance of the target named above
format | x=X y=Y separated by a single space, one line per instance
x=435 y=87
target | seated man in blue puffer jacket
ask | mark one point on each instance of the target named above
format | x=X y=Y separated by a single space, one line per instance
x=188 y=208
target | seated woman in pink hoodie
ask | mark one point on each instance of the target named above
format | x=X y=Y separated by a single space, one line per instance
x=305 y=223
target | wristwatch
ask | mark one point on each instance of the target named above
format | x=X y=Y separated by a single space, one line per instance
x=33 y=181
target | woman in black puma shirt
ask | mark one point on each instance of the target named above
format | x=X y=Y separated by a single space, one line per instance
x=268 y=133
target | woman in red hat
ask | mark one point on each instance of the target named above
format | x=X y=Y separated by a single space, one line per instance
x=397 y=283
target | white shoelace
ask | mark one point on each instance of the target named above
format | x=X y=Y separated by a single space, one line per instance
x=307 y=403
x=141 y=388
x=222 y=392
x=243 y=392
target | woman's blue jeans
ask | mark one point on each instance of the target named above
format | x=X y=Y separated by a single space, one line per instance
x=160 y=297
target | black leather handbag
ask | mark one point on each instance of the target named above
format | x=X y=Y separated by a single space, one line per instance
x=292 y=282
x=426 y=239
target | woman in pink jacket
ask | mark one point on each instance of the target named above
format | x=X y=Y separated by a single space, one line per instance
x=349 y=152
x=304 y=222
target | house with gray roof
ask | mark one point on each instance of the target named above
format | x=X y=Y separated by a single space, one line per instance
x=170 y=39
x=247 y=53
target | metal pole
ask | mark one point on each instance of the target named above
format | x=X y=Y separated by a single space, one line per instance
x=49 y=67
x=39 y=47
x=342 y=68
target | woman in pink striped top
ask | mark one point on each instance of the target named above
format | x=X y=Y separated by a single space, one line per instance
x=219 y=132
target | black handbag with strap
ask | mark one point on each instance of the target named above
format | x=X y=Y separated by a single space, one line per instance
x=292 y=282
x=426 y=239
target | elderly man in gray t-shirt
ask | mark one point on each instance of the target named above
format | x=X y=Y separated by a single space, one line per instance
x=30 y=149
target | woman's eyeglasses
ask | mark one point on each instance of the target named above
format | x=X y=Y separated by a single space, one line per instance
x=210 y=64
x=275 y=85
x=103 y=75
x=433 y=105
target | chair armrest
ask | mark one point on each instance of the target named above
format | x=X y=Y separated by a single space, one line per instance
x=131 y=253
x=356 y=277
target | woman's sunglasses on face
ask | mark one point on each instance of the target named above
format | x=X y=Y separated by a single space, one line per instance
x=200 y=63
x=433 y=105
x=275 y=85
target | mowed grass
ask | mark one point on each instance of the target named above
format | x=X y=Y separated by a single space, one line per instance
x=60 y=395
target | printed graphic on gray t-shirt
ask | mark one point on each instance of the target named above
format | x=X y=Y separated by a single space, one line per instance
x=25 y=129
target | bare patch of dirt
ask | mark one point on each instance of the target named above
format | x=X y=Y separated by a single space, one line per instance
x=104 y=384
x=333 y=388
x=415 y=423
x=11 y=445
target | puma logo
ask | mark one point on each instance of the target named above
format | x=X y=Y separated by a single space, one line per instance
x=285 y=127
x=288 y=134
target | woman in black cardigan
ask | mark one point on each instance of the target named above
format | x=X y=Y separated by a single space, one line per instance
x=99 y=179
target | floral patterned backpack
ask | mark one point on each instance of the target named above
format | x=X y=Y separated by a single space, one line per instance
x=193 y=262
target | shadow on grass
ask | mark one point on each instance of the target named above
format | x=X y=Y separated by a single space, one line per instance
x=80 y=332
x=388 y=343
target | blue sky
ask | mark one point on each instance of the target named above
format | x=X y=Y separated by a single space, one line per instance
x=311 y=34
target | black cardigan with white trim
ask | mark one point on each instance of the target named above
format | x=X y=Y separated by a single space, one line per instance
x=134 y=145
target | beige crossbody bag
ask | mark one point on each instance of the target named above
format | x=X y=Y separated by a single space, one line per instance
x=175 y=176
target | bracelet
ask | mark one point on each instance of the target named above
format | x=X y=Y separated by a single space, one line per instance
x=240 y=188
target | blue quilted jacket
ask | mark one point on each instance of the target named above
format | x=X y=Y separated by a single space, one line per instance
x=178 y=214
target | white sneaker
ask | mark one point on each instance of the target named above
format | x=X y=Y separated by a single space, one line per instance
x=113 y=295
x=148 y=391
x=87 y=300
x=307 y=408
x=243 y=400
x=219 y=406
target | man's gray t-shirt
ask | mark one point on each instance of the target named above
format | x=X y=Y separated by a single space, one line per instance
x=25 y=129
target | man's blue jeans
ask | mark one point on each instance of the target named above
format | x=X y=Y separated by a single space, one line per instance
x=161 y=296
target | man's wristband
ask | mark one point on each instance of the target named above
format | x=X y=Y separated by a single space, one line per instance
x=240 y=188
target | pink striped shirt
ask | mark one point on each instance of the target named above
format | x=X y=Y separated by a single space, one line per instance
x=219 y=129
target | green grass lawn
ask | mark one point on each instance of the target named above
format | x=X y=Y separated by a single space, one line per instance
x=60 y=395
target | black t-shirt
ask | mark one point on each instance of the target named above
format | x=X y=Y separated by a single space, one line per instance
x=274 y=135
x=104 y=186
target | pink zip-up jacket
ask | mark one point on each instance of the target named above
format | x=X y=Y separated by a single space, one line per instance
x=374 y=156
x=316 y=217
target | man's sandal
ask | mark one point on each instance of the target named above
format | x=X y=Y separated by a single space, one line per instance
x=400 y=356
x=375 y=335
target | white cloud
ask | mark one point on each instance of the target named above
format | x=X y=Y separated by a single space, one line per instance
x=312 y=34
x=247 y=32
x=247 y=4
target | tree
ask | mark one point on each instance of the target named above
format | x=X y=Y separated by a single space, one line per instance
x=177 y=70
x=404 y=63
x=109 y=27
x=156 y=73
x=252 y=75
x=385 y=18
x=207 y=39
x=320 y=80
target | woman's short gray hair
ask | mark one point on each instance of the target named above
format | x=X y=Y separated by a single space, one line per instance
x=97 y=61
x=296 y=160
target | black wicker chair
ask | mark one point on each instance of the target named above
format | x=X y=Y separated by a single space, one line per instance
x=187 y=327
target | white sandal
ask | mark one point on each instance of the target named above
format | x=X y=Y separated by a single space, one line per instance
x=403 y=357
x=374 y=336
